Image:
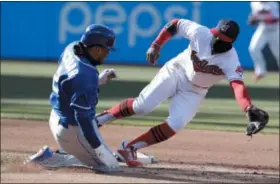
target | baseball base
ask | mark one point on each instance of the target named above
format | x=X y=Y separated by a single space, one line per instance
x=141 y=157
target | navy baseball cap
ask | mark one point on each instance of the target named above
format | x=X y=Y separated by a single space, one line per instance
x=97 y=34
x=226 y=30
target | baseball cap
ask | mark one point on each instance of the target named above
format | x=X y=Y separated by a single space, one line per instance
x=226 y=30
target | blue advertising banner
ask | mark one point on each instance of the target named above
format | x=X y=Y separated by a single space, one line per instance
x=40 y=30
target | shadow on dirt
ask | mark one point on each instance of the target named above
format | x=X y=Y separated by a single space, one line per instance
x=189 y=175
x=167 y=174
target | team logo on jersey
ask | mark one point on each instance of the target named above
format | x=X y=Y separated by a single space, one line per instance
x=202 y=66
x=239 y=70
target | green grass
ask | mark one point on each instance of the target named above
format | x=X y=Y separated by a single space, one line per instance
x=218 y=112
x=126 y=73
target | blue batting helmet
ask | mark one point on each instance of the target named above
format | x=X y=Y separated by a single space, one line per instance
x=99 y=35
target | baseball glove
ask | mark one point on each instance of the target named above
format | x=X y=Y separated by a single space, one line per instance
x=258 y=119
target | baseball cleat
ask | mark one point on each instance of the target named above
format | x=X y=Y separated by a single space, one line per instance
x=129 y=155
x=43 y=154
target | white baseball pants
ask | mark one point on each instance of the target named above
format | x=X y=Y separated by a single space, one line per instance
x=72 y=141
x=265 y=37
x=170 y=82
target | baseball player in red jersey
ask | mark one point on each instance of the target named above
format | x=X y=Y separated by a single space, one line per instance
x=185 y=80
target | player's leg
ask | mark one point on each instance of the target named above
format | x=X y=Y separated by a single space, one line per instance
x=162 y=86
x=182 y=109
x=54 y=159
x=273 y=42
x=72 y=141
x=257 y=44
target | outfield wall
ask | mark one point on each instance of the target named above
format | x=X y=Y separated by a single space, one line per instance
x=40 y=30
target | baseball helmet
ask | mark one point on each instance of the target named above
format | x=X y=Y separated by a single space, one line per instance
x=99 y=35
x=226 y=30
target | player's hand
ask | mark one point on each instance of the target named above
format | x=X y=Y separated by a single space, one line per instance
x=153 y=54
x=258 y=119
x=107 y=75
x=107 y=158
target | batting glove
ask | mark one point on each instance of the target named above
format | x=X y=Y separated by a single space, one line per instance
x=153 y=54
x=106 y=75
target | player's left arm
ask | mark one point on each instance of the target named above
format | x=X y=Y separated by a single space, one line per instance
x=257 y=117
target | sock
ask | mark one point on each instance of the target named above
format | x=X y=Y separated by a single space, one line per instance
x=155 y=135
x=123 y=109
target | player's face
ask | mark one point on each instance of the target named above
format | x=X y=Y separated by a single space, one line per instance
x=219 y=46
x=99 y=53
x=103 y=53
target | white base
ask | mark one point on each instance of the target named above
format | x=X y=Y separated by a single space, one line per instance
x=141 y=157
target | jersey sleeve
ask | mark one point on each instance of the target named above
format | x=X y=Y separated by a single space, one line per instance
x=233 y=70
x=190 y=29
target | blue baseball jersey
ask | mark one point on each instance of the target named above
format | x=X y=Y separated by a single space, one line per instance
x=75 y=93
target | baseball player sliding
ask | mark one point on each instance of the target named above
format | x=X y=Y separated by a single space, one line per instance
x=264 y=46
x=185 y=80
x=74 y=98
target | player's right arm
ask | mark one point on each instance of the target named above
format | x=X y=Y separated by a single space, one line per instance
x=184 y=27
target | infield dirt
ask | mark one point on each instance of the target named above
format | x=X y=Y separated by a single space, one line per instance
x=191 y=156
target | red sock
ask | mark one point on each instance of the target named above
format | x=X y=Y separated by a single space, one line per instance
x=155 y=135
x=123 y=109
